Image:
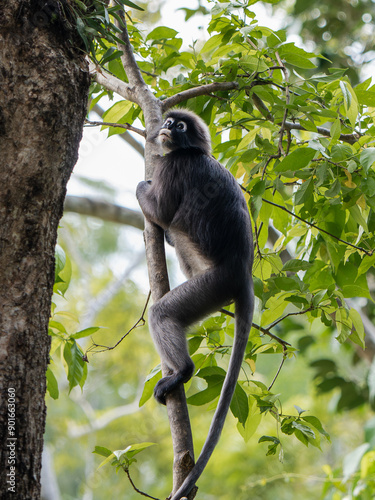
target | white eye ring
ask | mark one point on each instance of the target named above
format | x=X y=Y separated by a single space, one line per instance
x=181 y=126
x=168 y=122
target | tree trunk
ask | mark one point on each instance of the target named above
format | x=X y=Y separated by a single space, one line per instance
x=43 y=95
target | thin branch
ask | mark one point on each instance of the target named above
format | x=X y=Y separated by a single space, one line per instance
x=367 y=252
x=141 y=322
x=265 y=331
x=287 y=100
x=126 y=136
x=126 y=126
x=278 y=371
x=135 y=488
x=197 y=91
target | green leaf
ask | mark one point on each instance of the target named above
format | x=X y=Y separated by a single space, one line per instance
x=248 y=429
x=305 y=192
x=296 y=56
x=295 y=265
x=153 y=377
x=85 y=333
x=73 y=357
x=239 y=405
x=315 y=422
x=52 y=385
x=117 y=111
x=336 y=129
x=131 y=4
x=213 y=390
x=367 y=158
x=212 y=43
x=359 y=328
x=104 y=452
x=350 y=102
x=296 y=160
x=161 y=32
x=60 y=260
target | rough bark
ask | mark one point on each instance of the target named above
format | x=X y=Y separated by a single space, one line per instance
x=43 y=95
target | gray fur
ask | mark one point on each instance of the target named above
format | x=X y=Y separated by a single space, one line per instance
x=200 y=205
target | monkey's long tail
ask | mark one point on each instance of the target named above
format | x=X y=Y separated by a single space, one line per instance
x=244 y=308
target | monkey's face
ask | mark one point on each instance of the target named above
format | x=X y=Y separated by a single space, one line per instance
x=183 y=129
x=173 y=135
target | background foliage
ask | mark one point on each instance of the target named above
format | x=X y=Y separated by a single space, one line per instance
x=298 y=134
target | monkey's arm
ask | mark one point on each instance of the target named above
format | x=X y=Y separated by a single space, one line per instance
x=148 y=202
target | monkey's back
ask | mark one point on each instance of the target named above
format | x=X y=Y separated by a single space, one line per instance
x=209 y=208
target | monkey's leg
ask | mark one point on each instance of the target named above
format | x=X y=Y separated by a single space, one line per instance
x=173 y=313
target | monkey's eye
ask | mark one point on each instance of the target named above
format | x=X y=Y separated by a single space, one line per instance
x=181 y=126
x=168 y=122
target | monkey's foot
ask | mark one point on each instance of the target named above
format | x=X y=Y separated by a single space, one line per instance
x=163 y=388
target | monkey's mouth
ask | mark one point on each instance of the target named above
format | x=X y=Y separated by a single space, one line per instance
x=164 y=135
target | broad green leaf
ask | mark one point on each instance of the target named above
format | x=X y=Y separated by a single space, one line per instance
x=102 y=451
x=336 y=129
x=153 y=377
x=52 y=385
x=295 y=265
x=296 y=160
x=358 y=325
x=212 y=43
x=75 y=363
x=251 y=63
x=252 y=422
x=350 y=102
x=161 y=32
x=305 y=192
x=315 y=422
x=367 y=158
x=117 y=111
x=86 y=332
x=130 y=4
x=296 y=56
x=239 y=405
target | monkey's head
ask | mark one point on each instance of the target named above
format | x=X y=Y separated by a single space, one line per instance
x=183 y=129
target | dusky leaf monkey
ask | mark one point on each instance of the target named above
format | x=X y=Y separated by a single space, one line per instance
x=202 y=209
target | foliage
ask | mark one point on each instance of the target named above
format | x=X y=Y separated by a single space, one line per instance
x=302 y=147
x=63 y=341
x=342 y=31
x=95 y=21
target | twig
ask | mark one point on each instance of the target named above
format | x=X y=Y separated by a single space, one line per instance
x=278 y=371
x=141 y=322
x=369 y=253
x=265 y=331
x=136 y=489
x=126 y=126
x=287 y=100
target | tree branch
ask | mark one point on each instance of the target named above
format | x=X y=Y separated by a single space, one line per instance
x=349 y=138
x=155 y=253
x=126 y=126
x=197 y=91
x=104 y=210
x=112 y=83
